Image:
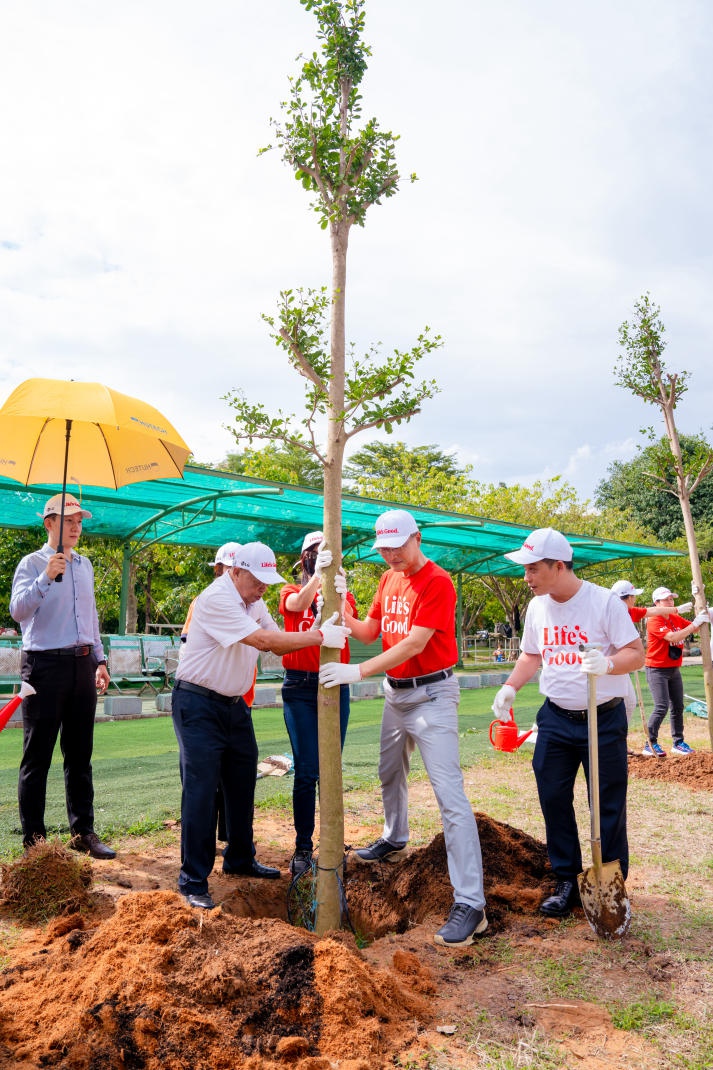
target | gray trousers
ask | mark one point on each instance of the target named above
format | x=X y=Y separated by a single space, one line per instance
x=427 y=717
x=666 y=687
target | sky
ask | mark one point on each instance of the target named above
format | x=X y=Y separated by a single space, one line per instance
x=564 y=159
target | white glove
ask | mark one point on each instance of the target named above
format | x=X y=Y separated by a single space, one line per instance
x=334 y=635
x=340 y=583
x=702 y=618
x=503 y=703
x=334 y=673
x=324 y=560
x=319 y=605
x=594 y=662
x=685 y=608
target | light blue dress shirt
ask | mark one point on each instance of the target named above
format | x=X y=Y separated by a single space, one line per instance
x=55 y=615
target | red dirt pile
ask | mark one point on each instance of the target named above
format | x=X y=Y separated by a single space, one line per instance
x=695 y=771
x=392 y=897
x=159 y=985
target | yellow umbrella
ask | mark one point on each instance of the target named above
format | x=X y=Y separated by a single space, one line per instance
x=52 y=430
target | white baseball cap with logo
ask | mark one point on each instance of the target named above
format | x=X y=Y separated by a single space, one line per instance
x=71 y=506
x=259 y=560
x=624 y=588
x=314 y=538
x=663 y=592
x=541 y=544
x=394 y=528
x=225 y=554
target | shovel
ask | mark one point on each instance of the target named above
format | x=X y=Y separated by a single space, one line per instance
x=640 y=697
x=601 y=887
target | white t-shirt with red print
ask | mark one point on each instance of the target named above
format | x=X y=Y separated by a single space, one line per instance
x=427 y=599
x=554 y=630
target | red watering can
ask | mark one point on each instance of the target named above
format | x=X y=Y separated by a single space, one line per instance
x=7 y=711
x=506 y=735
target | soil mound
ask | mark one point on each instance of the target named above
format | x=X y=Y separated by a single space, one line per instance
x=160 y=985
x=392 y=897
x=46 y=881
x=694 y=771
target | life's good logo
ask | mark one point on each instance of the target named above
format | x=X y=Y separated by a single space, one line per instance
x=395 y=616
x=560 y=644
x=387 y=531
x=529 y=546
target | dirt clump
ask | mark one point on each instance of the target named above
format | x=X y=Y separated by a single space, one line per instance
x=161 y=985
x=158 y=984
x=47 y=880
x=394 y=897
x=694 y=771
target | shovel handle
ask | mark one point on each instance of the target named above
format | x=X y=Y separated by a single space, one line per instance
x=594 y=773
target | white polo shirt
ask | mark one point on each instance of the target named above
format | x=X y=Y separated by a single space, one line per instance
x=213 y=655
x=554 y=630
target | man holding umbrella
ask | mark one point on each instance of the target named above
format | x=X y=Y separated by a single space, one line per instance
x=63 y=660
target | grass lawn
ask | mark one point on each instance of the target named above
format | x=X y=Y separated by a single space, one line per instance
x=135 y=763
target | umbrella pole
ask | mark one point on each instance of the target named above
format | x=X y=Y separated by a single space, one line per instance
x=60 y=547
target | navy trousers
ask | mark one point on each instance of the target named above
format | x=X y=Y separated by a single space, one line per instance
x=216 y=745
x=299 y=704
x=561 y=747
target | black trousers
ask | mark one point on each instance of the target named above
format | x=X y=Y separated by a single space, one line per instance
x=64 y=705
x=216 y=746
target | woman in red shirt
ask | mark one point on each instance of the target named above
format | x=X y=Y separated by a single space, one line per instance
x=298 y=605
x=664 y=651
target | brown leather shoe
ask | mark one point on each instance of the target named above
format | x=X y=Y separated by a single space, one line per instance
x=91 y=844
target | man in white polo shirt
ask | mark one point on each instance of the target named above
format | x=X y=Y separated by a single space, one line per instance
x=216 y=741
x=565 y=614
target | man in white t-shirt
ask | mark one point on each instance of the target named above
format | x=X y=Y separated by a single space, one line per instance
x=566 y=613
x=216 y=742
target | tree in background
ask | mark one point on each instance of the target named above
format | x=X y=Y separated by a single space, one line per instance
x=347 y=171
x=641 y=370
x=280 y=464
x=640 y=486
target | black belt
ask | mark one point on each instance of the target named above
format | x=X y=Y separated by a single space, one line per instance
x=65 y=651
x=198 y=689
x=581 y=715
x=421 y=681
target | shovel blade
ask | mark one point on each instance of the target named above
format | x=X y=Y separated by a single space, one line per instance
x=605 y=903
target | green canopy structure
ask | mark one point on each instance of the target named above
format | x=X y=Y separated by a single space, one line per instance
x=208 y=508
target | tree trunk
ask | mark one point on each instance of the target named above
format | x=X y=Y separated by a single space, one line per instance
x=698 y=589
x=331 y=802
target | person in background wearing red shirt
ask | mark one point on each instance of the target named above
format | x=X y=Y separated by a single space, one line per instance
x=414 y=612
x=664 y=650
x=628 y=594
x=298 y=605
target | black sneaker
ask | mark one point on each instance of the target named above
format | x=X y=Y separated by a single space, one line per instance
x=463 y=924
x=379 y=851
x=301 y=863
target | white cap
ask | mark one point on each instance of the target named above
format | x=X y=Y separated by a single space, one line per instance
x=663 y=592
x=394 y=528
x=225 y=555
x=624 y=588
x=71 y=506
x=259 y=560
x=313 y=539
x=540 y=544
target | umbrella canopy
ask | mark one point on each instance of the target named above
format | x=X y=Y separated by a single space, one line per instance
x=110 y=439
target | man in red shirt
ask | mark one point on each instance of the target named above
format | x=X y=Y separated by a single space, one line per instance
x=664 y=650
x=414 y=612
x=628 y=594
